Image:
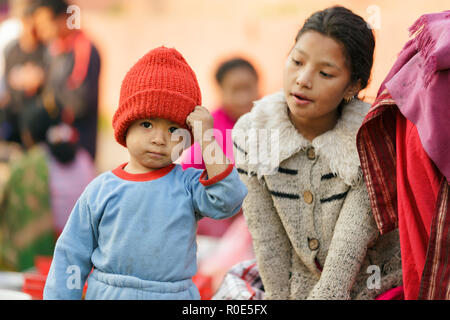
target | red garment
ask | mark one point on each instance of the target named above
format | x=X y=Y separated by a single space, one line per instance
x=418 y=182
x=377 y=147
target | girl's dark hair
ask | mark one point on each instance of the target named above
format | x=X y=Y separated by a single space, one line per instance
x=231 y=64
x=352 y=32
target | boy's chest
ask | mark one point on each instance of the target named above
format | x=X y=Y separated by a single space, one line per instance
x=140 y=210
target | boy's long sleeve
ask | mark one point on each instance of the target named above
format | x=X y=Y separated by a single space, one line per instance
x=218 y=197
x=71 y=263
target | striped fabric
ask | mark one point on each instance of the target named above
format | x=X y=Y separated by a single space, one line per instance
x=436 y=274
x=377 y=151
x=242 y=282
x=376 y=148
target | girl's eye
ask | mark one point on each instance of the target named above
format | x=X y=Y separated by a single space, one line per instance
x=296 y=62
x=146 y=124
x=172 y=129
x=326 y=75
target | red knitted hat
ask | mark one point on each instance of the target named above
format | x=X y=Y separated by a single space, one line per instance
x=160 y=85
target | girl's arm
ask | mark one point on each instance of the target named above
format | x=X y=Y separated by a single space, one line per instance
x=355 y=230
x=271 y=245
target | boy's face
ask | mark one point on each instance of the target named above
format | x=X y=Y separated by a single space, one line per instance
x=153 y=143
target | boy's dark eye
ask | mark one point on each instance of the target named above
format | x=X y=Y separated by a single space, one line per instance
x=146 y=124
x=173 y=129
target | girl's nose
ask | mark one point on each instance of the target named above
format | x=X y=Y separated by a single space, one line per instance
x=304 y=79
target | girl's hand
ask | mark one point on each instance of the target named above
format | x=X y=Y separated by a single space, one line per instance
x=199 y=121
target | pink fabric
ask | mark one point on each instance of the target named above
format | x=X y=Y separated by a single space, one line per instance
x=392 y=294
x=67 y=182
x=234 y=246
x=193 y=159
x=419 y=84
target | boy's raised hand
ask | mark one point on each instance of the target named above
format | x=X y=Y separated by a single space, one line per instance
x=199 y=121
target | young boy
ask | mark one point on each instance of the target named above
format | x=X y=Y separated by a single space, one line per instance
x=136 y=225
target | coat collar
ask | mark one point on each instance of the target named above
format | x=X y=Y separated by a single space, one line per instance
x=337 y=146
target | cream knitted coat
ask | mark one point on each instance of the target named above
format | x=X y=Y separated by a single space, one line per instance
x=308 y=209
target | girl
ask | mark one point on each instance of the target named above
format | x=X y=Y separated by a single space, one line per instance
x=309 y=212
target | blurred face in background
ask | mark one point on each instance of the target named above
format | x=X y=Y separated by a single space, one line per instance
x=29 y=30
x=48 y=26
x=239 y=88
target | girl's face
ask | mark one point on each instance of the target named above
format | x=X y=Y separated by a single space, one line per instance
x=316 y=78
x=150 y=144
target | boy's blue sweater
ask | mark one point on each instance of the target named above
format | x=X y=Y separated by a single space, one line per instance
x=140 y=231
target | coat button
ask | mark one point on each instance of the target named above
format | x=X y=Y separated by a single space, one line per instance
x=308 y=197
x=313 y=244
x=310 y=153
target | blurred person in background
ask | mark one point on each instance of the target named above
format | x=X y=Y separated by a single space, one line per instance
x=10 y=29
x=24 y=73
x=74 y=67
x=42 y=189
x=238 y=84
